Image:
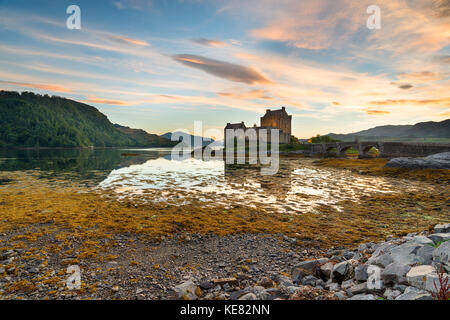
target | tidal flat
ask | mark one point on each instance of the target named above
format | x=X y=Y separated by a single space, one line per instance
x=145 y=223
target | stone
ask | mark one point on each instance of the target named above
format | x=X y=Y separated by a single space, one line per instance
x=206 y=285
x=340 y=271
x=139 y=291
x=320 y=282
x=442 y=254
x=326 y=269
x=284 y=281
x=358 y=289
x=421 y=240
x=399 y=287
x=347 y=284
x=361 y=273
x=391 y=294
x=267 y=283
x=363 y=247
x=248 y=296
x=406 y=253
x=412 y=293
x=186 y=290
x=297 y=274
x=417 y=276
x=381 y=261
x=348 y=254
x=332 y=286
x=270 y=294
x=223 y=281
x=439 y=237
x=442 y=228
x=363 y=297
x=309 y=281
x=340 y=295
x=310 y=265
x=419 y=163
x=426 y=254
x=395 y=273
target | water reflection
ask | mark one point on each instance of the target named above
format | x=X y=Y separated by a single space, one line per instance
x=152 y=175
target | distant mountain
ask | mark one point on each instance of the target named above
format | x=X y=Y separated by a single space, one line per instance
x=33 y=120
x=205 y=141
x=145 y=138
x=439 y=131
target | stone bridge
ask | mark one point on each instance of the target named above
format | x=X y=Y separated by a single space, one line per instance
x=386 y=149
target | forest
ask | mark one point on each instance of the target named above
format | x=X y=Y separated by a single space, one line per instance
x=33 y=120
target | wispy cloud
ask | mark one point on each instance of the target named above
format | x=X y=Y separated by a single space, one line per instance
x=376 y=112
x=222 y=69
x=49 y=87
x=210 y=42
x=439 y=103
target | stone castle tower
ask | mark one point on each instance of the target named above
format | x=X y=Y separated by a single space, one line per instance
x=273 y=119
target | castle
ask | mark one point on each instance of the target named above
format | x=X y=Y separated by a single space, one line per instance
x=273 y=119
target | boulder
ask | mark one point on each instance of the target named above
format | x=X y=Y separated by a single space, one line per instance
x=284 y=281
x=421 y=240
x=426 y=254
x=412 y=293
x=432 y=283
x=391 y=294
x=347 y=284
x=310 y=265
x=442 y=228
x=248 y=296
x=358 y=289
x=341 y=271
x=395 y=273
x=438 y=161
x=442 y=255
x=326 y=269
x=332 y=286
x=309 y=281
x=361 y=273
x=406 y=253
x=417 y=276
x=439 y=237
x=186 y=290
x=363 y=297
x=381 y=260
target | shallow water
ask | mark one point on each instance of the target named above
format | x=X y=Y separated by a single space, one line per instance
x=151 y=175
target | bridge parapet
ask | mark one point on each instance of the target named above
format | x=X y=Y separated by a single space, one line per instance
x=386 y=149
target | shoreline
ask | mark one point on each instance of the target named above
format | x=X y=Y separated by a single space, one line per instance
x=129 y=250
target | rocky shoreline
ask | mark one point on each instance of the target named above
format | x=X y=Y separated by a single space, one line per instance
x=233 y=267
x=407 y=268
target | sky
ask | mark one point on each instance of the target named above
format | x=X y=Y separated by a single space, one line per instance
x=160 y=65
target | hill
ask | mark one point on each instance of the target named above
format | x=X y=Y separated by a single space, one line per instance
x=145 y=138
x=33 y=120
x=205 y=141
x=423 y=131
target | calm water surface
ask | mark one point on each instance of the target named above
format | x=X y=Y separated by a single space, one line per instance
x=152 y=175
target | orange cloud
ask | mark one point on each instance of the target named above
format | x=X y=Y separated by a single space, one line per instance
x=107 y=101
x=422 y=76
x=405 y=102
x=222 y=69
x=128 y=40
x=253 y=94
x=210 y=42
x=376 y=112
x=50 y=87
